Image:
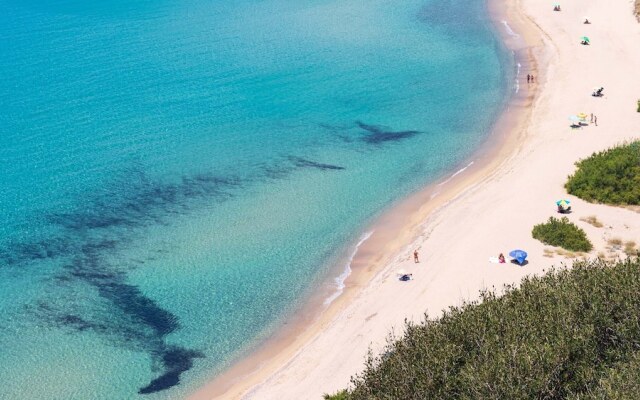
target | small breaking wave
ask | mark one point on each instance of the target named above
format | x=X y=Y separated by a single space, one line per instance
x=517 y=84
x=340 y=279
x=510 y=31
x=458 y=172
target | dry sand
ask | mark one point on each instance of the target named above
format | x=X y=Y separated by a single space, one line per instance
x=483 y=212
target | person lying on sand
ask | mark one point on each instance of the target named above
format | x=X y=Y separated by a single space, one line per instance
x=501 y=258
x=406 y=277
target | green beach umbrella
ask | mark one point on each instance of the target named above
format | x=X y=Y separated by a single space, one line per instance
x=585 y=39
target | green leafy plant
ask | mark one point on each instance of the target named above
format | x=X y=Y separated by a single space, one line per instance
x=341 y=395
x=570 y=334
x=620 y=382
x=562 y=233
x=611 y=176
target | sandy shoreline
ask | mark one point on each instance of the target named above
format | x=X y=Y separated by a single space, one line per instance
x=521 y=169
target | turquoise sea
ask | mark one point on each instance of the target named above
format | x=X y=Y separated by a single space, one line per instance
x=178 y=176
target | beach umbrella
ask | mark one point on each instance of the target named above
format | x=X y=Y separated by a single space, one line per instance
x=585 y=39
x=582 y=116
x=518 y=255
x=563 y=203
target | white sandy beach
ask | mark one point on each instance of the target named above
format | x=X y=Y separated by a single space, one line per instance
x=492 y=211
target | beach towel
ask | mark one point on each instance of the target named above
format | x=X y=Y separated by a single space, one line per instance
x=494 y=260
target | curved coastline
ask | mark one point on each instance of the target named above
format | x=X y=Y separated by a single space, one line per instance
x=391 y=234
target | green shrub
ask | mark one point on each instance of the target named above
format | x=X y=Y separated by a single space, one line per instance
x=562 y=233
x=341 y=395
x=611 y=176
x=619 y=382
x=569 y=334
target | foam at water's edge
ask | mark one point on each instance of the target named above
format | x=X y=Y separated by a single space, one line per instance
x=508 y=29
x=458 y=172
x=510 y=32
x=517 y=79
x=340 y=279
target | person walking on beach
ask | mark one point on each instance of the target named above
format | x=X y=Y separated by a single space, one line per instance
x=532 y=78
x=595 y=120
x=415 y=256
x=528 y=78
x=592 y=118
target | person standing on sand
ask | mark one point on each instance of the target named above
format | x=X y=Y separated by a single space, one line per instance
x=528 y=78
x=592 y=118
x=595 y=120
x=415 y=256
x=531 y=78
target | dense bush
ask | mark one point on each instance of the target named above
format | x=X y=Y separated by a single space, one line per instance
x=341 y=395
x=619 y=382
x=562 y=233
x=611 y=176
x=573 y=333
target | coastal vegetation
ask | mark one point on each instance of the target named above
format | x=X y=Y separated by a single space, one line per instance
x=573 y=333
x=611 y=176
x=562 y=233
x=341 y=395
x=592 y=220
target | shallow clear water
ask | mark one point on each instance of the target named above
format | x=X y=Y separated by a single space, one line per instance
x=177 y=176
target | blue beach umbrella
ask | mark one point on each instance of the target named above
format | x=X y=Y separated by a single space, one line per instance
x=563 y=203
x=518 y=255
